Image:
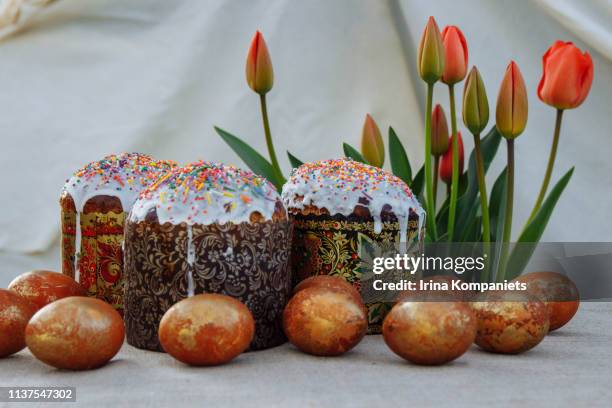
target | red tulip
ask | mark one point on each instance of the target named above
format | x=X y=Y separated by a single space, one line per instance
x=446 y=164
x=511 y=113
x=259 y=73
x=456 y=55
x=439 y=131
x=567 y=76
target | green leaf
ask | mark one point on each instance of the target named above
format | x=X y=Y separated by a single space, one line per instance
x=400 y=165
x=350 y=151
x=255 y=161
x=497 y=206
x=295 y=162
x=418 y=182
x=466 y=203
x=526 y=244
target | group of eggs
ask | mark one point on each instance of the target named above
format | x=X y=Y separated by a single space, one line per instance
x=49 y=313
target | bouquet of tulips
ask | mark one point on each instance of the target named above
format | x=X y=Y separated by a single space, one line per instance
x=469 y=213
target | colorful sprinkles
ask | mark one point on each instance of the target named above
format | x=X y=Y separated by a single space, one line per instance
x=122 y=175
x=205 y=193
x=339 y=185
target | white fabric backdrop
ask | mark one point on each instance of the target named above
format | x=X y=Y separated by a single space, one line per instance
x=83 y=79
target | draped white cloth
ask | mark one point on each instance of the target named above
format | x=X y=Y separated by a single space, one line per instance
x=81 y=79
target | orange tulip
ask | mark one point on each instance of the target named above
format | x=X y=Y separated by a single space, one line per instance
x=372 y=146
x=259 y=73
x=567 y=77
x=511 y=113
x=430 y=62
x=439 y=132
x=446 y=164
x=456 y=55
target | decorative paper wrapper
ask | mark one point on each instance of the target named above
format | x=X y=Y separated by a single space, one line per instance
x=329 y=245
x=100 y=262
x=248 y=261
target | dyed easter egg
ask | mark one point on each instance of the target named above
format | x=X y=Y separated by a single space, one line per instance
x=328 y=281
x=44 y=287
x=207 y=329
x=15 y=312
x=324 y=321
x=428 y=332
x=75 y=333
x=557 y=291
x=510 y=322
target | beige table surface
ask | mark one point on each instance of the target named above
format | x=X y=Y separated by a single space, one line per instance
x=571 y=367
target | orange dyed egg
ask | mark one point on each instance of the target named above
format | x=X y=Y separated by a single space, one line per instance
x=324 y=321
x=429 y=333
x=557 y=291
x=44 y=287
x=510 y=322
x=207 y=329
x=15 y=312
x=75 y=333
x=328 y=281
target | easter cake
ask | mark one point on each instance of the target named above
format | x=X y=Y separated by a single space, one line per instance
x=94 y=203
x=207 y=228
x=335 y=204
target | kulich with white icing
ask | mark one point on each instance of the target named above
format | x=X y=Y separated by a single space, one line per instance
x=122 y=175
x=339 y=186
x=206 y=193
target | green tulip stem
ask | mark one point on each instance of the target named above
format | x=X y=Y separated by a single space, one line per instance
x=509 y=203
x=431 y=214
x=549 y=168
x=455 y=177
x=484 y=206
x=435 y=178
x=271 y=152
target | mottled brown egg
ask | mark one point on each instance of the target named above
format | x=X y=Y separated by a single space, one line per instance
x=429 y=333
x=557 y=291
x=328 y=281
x=44 y=287
x=75 y=333
x=207 y=329
x=510 y=322
x=15 y=312
x=324 y=321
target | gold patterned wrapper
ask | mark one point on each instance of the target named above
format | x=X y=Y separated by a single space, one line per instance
x=100 y=256
x=248 y=261
x=330 y=245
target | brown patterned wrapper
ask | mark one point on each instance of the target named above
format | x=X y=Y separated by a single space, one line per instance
x=329 y=245
x=101 y=256
x=248 y=261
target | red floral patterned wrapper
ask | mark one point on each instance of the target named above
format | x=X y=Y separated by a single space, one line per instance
x=329 y=245
x=100 y=261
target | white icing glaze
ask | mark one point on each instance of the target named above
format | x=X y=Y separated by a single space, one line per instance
x=123 y=176
x=206 y=193
x=340 y=185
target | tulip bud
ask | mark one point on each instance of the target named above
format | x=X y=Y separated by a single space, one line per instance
x=372 y=146
x=259 y=74
x=567 y=76
x=511 y=114
x=439 y=132
x=446 y=163
x=475 y=103
x=431 y=53
x=456 y=55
